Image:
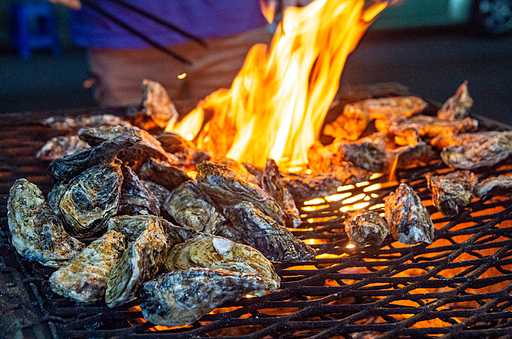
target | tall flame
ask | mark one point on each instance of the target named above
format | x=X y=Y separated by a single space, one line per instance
x=278 y=101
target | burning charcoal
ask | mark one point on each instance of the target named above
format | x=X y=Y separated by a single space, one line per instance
x=136 y=155
x=37 y=233
x=500 y=185
x=135 y=197
x=68 y=124
x=227 y=188
x=190 y=207
x=181 y=297
x=91 y=198
x=304 y=186
x=70 y=166
x=408 y=219
x=156 y=106
x=478 y=154
x=452 y=192
x=468 y=138
x=62 y=146
x=458 y=106
x=140 y=262
x=207 y=251
x=163 y=174
x=272 y=181
x=84 y=278
x=366 y=228
x=252 y=227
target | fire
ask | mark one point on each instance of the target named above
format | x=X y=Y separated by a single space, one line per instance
x=278 y=101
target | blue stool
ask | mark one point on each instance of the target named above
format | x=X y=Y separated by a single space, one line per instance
x=34 y=27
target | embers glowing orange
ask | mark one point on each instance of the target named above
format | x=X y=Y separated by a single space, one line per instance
x=278 y=101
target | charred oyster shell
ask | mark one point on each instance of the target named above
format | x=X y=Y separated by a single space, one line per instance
x=135 y=197
x=452 y=192
x=213 y=252
x=84 y=278
x=366 y=228
x=37 y=233
x=91 y=199
x=181 y=297
x=163 y=174
x=408 y=219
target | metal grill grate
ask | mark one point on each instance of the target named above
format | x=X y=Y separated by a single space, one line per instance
x=459 y=285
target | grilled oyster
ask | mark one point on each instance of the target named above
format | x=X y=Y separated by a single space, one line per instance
x=62 y=123
x=252 y=227
x=239 y=168
x=160 y=192
x=61 y=146
x=500 y=185
x=408 y=219
x=70 y=166
x=135 y=197
x=366 y=228
x=91 y=198
x=404 y=156
x=227 y=188
x=136 y=155
x=213 y=252
x=181 y=297
x=140 y=262
x=183 y=149
x=452 y=192
x=469 y=156
x=163 y=174
x=190 y=207
x=367 y=153
x=156 y=104
x=84 y=278
x=37 y=233
x=458 y=106
x=348 y=125
x=272 y=181
x=468 y=138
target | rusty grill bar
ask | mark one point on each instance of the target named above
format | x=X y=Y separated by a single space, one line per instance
x=459 y=285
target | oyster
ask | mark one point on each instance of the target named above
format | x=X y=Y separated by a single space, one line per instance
x=367 y=153
x=408 y=219
x=183 y=149
x=272 y=181
x=348 y=125
x=37 y=233
x=227 y=188
x=190 y=207
x=404 y=156
x=147 y=147
x=239 y=168
x=160 y=192
x=458 y=106
x=473 y=155
x=70 y=166
x=62 y=123
x=213 y=252
x=252 y=227
x=500 y=185
x=156 y=104
x=468 y=138
x=163 y=174
x=140 y=262
x=135 y=197
x=84 y=278
x=181 y=297
x=366 y=228
x=91 y=198
x=61 y=146
x=452 y=192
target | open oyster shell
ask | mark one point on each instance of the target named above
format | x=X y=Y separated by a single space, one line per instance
x=37 y=233
x=84 y=278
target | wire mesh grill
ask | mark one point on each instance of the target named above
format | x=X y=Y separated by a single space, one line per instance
x=458 y=286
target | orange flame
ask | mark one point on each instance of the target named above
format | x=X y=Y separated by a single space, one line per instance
x=278 y=101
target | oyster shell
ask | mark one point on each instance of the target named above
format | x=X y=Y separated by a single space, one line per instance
x=458 y=106
x=239 y=168
x=160 y=192
x=183 y=149
x=227 y=188
x=452 y=192
x=190 y=207
x=213 y=252
x=272 y=181
x=140 y=262
x=84 y=278
x=70 y=166
x=366 y=228
x=163 y=174
x=252 y=227
x=409 y=221
x=500 y=185
x=156 y=104
x=37 y=233
x=91 y=198
x=135 y=197
x=181 y=297
x=468 y=138
x=61 y=146
x=62 y=123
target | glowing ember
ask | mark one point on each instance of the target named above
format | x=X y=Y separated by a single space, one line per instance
x=277 y=103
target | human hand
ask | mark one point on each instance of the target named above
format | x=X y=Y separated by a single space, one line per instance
x=73 y=4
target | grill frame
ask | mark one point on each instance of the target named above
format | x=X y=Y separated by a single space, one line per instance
x=308 y=307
